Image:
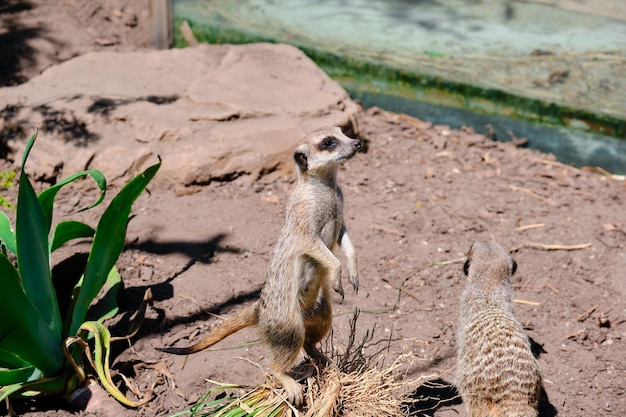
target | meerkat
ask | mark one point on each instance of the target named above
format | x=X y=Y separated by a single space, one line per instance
x=294 y=310
x=497 y=374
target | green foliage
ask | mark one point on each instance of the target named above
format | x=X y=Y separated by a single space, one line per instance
x=263 y=401
x=41 y=351
x=7 y=180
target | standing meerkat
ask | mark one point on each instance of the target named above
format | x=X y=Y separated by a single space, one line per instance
x=497 y=374
x=294 y=310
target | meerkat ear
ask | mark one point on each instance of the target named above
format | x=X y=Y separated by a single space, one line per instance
x=513 y=267
x=466 y=267
x=301 y=159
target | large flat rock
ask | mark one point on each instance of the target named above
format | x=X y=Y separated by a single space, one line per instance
x=210 y=112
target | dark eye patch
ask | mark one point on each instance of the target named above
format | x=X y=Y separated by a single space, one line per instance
x=328 y=144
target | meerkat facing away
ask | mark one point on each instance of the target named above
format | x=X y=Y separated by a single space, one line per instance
x=497 y=374
x=294 y=310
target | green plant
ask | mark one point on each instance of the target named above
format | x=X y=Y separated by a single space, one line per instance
x=262 y=401
x=7 y=180
x=41 y=351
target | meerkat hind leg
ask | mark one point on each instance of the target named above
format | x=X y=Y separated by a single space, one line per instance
x=317 y=324
x=284 y=334
x=280 y=366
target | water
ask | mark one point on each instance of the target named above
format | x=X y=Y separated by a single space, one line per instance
x=572 y=147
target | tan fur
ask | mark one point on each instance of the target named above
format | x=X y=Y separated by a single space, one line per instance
x=497 y=374
x=294 y=310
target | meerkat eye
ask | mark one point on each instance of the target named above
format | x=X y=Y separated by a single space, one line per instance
x=513 y=267
x=328 y=143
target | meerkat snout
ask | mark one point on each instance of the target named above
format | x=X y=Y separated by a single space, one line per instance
x=357 y=145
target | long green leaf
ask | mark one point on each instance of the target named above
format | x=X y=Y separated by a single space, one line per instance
x=31 y=235
x=46 y=197
x=57 y=385
x=108 y=243
x=29 y=146
x=19 y=375
x=69 y=230
x=201 y=405
x=25 y=336
x=10 y=360
x=6 y=391
x=100 y=361
x=7 y=234
x=107 y=306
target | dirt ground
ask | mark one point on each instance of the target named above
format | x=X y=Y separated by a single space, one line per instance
x=415 y=201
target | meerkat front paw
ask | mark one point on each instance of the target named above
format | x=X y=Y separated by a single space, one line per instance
x=348 y=248
x=336 y=284
x=354 y=280
x=353 y=275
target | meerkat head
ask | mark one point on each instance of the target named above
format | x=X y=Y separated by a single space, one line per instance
x=488 y=261
x=324 y=149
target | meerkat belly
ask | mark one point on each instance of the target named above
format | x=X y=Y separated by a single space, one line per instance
x=313 y=280
x=330 y=233
x=327 y=213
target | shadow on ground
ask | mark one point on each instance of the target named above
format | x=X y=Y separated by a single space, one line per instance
x=14 y=36
x=435 y=394
x=430 y=397
x=63 y=122
x=197 y=252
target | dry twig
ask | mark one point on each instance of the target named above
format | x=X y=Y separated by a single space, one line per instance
x=530 y=303
x=551 y=288
x=387 y=230
x=587 y=313
x=404 y=290
x=529 y=226
x=543 y=246
x=532 y=194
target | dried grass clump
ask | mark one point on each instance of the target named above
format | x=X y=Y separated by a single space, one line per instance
x=354 y=386
x=361 y=393
x=262 y=401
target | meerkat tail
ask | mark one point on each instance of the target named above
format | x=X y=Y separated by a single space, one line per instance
x=246 y=318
